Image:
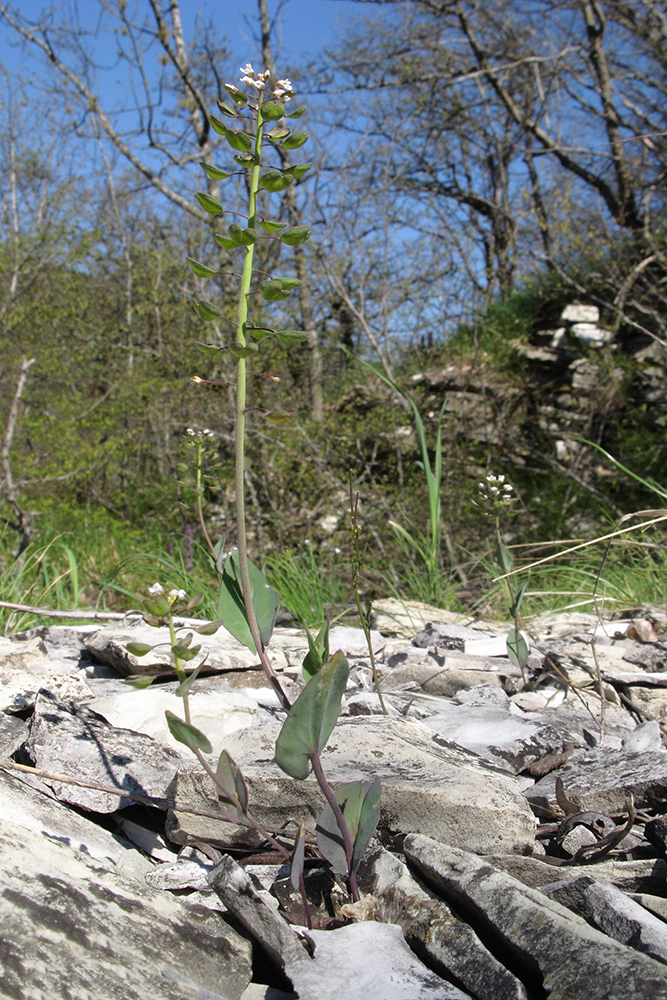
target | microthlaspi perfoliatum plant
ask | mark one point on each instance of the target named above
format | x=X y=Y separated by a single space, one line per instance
x=256 y=119
x=496 y=497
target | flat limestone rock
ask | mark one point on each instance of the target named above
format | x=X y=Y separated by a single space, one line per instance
x=648 y=875
x=603 y=780
x=71 y=929
x=512 y=739
x=407 y=618
x=441 y=676
x=221 y=651
x=446 y=635
x=553 y=947
x=369 y=960
x=71 y=740
x=215 y=713
x=30 y=806
x=606 y=907
x=435 y=788
x=431 y=929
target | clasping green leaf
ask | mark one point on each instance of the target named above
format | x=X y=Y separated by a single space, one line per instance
x=312 y=718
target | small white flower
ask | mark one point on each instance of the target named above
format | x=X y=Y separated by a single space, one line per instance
x=175 y=595
x=248 y=70
x=284 y=89
x=156 y=590
x=249 y=81
x=190 y=432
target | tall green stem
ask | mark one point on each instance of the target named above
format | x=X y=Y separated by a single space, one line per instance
x=241 y=384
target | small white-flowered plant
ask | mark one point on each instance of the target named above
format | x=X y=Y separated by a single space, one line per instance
x=175 y=595
x=496 y=494
x=157 y=590
x=252 y=79
x=283 y=89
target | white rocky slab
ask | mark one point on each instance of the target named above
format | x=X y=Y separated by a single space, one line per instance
x=73 y=928
x=645 y=876
x=432 y=929
x=73 y=741
x=603 y=780
x=576 y=313
x=538 y=932
x=352 y=641
x=439 y=789
x=369 y=960
x=611 y=911
x=221 y=651
x=215 y=713
x=33 y=808
x=406 y=618
x=511 y=739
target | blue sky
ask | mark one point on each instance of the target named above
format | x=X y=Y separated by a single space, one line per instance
x=307 y=25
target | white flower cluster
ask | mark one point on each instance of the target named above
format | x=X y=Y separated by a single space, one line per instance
x=282 y=90
x=157 y=590
x=205 y=433
x=496 y=491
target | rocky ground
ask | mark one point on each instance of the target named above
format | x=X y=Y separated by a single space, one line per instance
x=521 y=851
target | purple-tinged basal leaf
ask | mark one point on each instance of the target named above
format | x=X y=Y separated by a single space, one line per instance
x=298 y=857
x=229 y=774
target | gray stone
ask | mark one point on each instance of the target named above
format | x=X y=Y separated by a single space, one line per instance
x=511 y=738
x=221 y=651
x=215 y=713
x=611 y=911
x=445 y=635
x=352 y=641
x=649 y=875
x=75 y=742
x=406 y=618
x=553 y=946
x=30 y=807
x=645 y=737
x=602 y=780
x=578 y=837
x=72 y=929
x=151 y=843
x=19 y=687
x=428 y=786
x=576 y=313
x=432 y=929
x=366 y=960
x=443 y=676
x=13 y=732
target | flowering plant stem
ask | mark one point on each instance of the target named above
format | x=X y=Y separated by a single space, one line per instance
x=241 y=385
x=227 y=793
x=363 y=616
